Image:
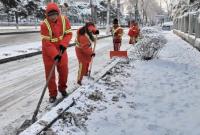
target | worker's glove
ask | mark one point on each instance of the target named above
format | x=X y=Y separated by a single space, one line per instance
x=57 y=58
x=93 y=55
x=96 y=32
x=62 y=49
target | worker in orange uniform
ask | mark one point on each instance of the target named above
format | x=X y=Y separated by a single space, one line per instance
x=117 y=33
x=84 y=40
x=56 y=34
x=134 y=32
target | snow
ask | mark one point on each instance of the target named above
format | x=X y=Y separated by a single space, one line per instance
x=197 y=42
x=11 y=51
x=160 y=96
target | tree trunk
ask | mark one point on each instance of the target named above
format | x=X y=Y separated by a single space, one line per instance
x=108 y=18
x=16 y=19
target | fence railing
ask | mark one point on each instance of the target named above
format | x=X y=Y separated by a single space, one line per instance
x=188 y=27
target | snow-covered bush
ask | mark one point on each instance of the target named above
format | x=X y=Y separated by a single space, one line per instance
x=152 y=41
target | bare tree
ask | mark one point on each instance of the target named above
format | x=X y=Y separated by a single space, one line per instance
x=130 y=7
x=149 y=9
x=108 y=17
x=169 y=6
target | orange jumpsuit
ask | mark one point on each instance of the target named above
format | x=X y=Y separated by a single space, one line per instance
x=50 y=49
x=133 y=33
x=83 y=52
x=117 y=37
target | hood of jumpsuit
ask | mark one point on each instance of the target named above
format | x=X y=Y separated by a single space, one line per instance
x=52 y=6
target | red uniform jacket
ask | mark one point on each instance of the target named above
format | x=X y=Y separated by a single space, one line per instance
x=134 y=31
x=117 y=34
x=51 y=49
x=84 y=47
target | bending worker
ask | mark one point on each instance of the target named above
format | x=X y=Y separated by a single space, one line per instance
x=83 y=48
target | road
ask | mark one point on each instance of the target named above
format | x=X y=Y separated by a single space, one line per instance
x=18 y=39
x=22 y=81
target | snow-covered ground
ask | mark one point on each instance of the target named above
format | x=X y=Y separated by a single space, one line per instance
x=155 y=97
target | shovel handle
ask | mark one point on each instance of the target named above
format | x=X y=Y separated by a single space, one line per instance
x=93 y=51
x=44 y=90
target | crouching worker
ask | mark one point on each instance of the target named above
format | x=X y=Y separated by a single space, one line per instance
x=134 y=32
x=117 y=33
x=84 y=52
x=56 y=35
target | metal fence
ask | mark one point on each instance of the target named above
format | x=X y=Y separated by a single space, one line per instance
x=188 y=27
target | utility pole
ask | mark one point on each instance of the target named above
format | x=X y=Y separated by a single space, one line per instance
x=16 y=19
x=108 y=17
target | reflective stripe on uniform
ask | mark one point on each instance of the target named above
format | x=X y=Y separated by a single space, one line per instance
x=50 y=38
x=114 y=31
x=68 y=31
x=45 y=37
x=79 y=45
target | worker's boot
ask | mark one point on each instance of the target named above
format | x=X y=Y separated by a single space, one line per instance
x=52 y=99
x=79 y=82
x=64 y=93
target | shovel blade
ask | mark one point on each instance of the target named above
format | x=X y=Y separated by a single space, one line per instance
x=118 y=54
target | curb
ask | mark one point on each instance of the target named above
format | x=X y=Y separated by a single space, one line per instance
x=14 y=58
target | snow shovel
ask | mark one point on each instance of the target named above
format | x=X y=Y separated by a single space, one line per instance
x=27 y=123
x=118 y=54
x=90 y=67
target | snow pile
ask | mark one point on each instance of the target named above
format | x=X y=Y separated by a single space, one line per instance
x=152 y=41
